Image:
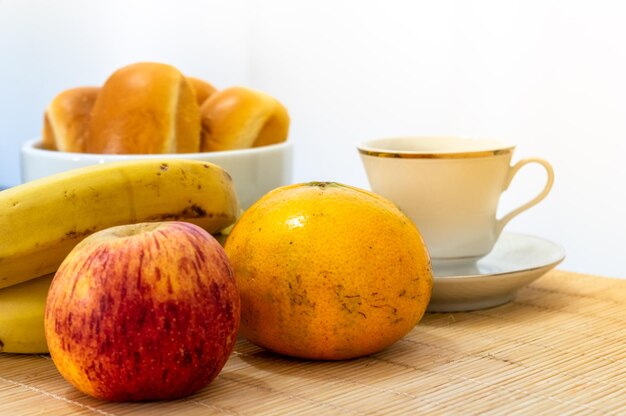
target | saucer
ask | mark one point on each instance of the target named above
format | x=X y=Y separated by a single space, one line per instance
x=515 y=261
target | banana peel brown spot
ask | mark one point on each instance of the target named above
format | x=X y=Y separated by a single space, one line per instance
x=74 y=234
x=197 y=210
x=192 y=211
x=70 y=195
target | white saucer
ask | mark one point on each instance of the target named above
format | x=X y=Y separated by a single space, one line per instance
x=515 y=261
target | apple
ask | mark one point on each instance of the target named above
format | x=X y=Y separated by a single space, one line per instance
x=147 y=311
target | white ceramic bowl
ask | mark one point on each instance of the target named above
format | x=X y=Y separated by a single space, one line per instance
x=255 y=171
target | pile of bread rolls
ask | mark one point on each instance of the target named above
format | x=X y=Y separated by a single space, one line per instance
x=148 y=108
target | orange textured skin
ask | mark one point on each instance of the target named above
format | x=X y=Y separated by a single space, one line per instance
x=145 y=108
x=239 y=118
x=328 y=271
x=66 y=120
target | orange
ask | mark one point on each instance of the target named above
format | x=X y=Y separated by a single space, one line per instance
x=328 y=271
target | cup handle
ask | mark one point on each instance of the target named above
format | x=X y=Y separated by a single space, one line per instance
x=546 y=189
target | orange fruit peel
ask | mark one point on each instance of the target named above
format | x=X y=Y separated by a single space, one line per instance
x=328 y=271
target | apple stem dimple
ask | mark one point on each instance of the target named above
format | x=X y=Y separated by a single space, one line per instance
x=134 y=229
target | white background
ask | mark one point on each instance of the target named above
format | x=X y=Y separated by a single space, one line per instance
x=547 y=75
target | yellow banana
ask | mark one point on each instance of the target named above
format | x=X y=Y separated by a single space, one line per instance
x=42 y=220
x=21 y=316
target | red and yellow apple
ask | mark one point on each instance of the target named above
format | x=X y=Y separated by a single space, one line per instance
x=143 y=312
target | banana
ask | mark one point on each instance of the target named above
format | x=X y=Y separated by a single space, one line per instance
x=42 y=220
x=22 y=316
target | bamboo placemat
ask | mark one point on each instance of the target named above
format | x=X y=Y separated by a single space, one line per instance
x=558 y=348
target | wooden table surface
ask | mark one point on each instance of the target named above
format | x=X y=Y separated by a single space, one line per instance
x=558 y=348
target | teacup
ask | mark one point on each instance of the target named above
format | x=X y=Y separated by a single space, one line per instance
x=450 y=187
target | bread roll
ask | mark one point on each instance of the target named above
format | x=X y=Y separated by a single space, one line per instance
x=145 y=108
x=66 y=120
x=202 y=89
x=239 y=118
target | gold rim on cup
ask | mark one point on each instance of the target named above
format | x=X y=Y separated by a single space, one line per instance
x=443 y=155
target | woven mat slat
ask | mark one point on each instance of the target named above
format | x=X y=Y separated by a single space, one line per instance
x=558 y=348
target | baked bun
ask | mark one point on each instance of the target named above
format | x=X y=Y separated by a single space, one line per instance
x=145 y=108
x=238 y=118
x=66 y=120
x=202 y=89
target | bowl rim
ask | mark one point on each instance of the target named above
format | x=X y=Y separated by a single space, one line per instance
x=31 y=147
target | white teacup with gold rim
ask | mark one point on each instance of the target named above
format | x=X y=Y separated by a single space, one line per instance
x=450 y=187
